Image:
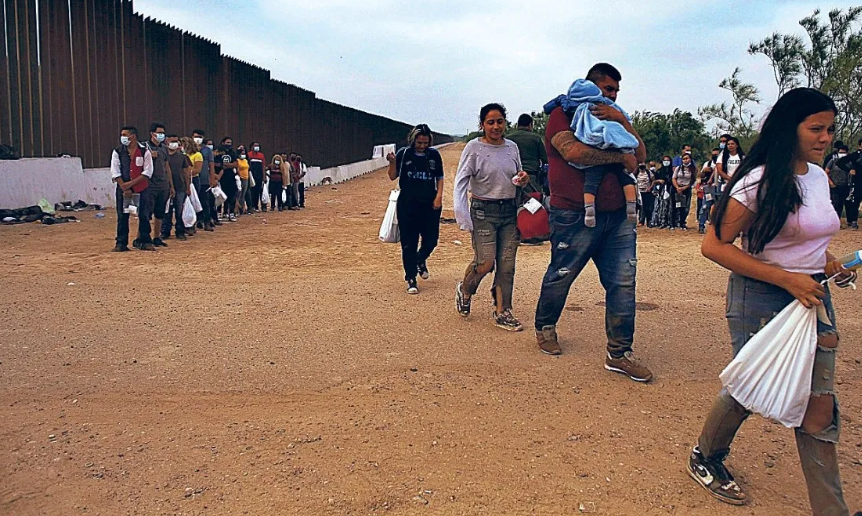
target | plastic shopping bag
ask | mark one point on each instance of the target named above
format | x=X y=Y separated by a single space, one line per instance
x=251 y=182
x=389 y=232
x=219 y=196
x=284 y=195
x=772 y=374
x=196 y=202
x=189 y=215
x=264 y=195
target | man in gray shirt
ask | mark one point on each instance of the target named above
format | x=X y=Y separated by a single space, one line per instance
x=161 y=186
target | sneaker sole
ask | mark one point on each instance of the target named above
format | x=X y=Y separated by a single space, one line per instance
x=620 y=371
x=425 y=276
x=509 y=328
x=552 y=353
x=729 y=501
x=412 y=291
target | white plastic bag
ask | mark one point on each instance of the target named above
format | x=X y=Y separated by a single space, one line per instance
x=264 y=195
x=189 y=215
x=771 y=375
x=196 y=202
x=251 y=182
x=219 y=196
x=389 y=232
x=284 y=195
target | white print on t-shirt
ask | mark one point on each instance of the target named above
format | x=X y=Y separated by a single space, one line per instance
x=732 y=164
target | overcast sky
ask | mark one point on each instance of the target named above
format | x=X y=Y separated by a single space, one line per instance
x=439 y=62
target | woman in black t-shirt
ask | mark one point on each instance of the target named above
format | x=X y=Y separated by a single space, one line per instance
x=419 y=169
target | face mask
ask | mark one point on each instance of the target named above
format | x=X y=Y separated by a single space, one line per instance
x=841 y=155
x=242 y=156
x=721 y=145
x=256 y=148
x=210 y=147
x=125 y=140
x=160 y=137
x=652 y=169
x=228 y=147
x=277 y=162
x=666 y=163
x=173 y=145
x=199 y=141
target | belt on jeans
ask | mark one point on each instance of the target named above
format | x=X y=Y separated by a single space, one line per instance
x=501 y=202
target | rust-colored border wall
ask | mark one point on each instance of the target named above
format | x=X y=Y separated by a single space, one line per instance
x=78 y=70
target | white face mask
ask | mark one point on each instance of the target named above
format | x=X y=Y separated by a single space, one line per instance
x=256 y=148
x=277 y=162
x=199 y=141
x=242 y=156
x=666 y=163
x=125 y=140
x=210 y=147
x=160 y=137
x=841 y=155
x=173 y=145
x=652 y=169
x=721 y=145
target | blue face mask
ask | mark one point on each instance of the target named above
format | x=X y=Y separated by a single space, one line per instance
x=160 y=137
x=124 y=141
x=721 y=145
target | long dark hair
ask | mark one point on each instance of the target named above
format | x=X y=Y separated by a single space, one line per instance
x=775 y=150
x=725 y=154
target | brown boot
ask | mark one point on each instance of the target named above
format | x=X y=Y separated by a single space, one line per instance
x=547 y=340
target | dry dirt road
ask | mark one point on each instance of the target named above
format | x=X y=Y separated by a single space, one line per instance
x=277 y=367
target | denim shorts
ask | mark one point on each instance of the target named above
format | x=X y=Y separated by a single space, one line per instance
x=751 y=304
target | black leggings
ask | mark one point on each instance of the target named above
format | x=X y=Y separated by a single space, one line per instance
x=417 y=218
x=275 y=188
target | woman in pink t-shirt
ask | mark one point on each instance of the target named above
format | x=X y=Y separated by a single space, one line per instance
x=779 y=200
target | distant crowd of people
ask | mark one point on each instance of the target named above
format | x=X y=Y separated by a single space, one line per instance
x=155 y=178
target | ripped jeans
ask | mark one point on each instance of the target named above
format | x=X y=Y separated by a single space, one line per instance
x=495 y=246
x=750 y=305
x=612 y=246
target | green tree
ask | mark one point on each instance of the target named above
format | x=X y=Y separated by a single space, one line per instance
x=831 y=61
x=666 y=133
x=735 y=117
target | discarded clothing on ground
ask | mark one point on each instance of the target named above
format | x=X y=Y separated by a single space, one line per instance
x=78 y=206
x=31 y=214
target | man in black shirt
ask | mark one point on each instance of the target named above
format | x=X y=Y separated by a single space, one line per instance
x=419 y=169
x=855 y=165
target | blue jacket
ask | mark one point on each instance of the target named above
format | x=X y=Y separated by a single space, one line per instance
x=602 y=134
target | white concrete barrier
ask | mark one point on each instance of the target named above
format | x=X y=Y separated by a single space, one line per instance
x=380 y=151
x=25 y=182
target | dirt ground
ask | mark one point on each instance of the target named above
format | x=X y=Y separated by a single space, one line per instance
x=277 y=366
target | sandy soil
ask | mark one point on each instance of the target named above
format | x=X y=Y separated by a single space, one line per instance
x=277 y=366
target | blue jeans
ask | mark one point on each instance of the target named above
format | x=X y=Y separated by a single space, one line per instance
x=612 y=246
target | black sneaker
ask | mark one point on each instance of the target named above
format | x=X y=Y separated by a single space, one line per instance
x=147 y=247
x=507 y=321
x=120 y=248
x=136 y=243
x=462 y=305
x=182 y=237
x=714 y=477
x=422 y=269
x=411 y=286
x=158 y=242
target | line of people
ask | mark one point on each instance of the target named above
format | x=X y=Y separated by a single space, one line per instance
x=155 y=177
x=667 y=191
x=777 y=198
